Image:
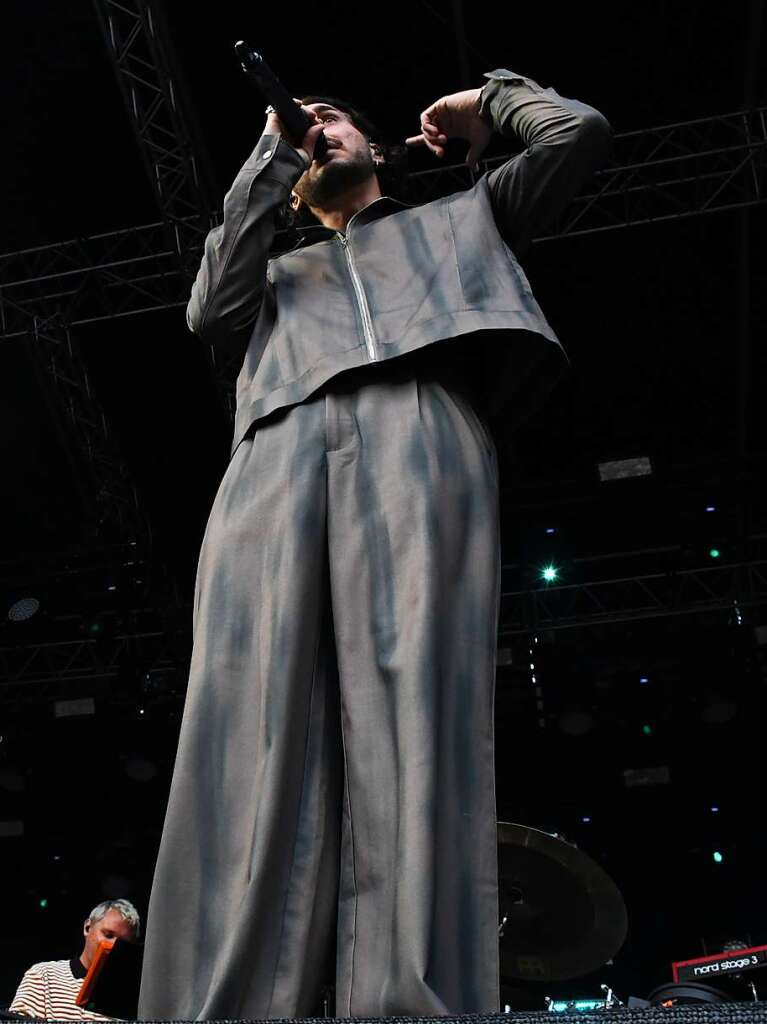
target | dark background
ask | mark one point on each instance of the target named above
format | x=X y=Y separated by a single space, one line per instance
x=651 y=317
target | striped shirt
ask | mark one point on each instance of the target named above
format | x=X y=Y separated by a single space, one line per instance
x=48 y=990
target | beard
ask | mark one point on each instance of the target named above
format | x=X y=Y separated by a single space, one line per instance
x=322 y=184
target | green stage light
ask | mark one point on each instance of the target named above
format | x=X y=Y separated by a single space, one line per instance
x=550 y=573
x=647 y=730
x=43 y=904
x=714 y=553
x=718 y=857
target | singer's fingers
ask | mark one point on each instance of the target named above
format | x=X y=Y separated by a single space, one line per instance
x=427 y=136
x=432 y=135
x=310 y=113
x=422 y=140
x=310 y=139
x=429 y=120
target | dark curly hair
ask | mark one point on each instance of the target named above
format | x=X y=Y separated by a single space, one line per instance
x=391 y=172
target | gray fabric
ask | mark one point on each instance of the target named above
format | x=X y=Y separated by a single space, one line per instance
x=441 y=270
x=351 y=559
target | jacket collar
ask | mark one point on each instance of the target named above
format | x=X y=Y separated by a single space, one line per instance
x=380 y=207
x=374 y=211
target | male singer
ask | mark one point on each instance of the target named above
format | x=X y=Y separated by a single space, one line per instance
x=334 y=785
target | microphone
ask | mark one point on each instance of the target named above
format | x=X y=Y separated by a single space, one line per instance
x=292 y=116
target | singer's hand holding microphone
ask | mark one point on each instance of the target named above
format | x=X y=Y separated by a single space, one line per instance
x=274 y=126
x=287 y=116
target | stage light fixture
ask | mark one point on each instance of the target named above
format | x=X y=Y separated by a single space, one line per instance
x=710 y=508
x=714 y=553
x=43 y=904
x=12 y=780
x=23 y=609
x=550 y=530
x=622 y=469
x=714 y=810
x=647 y=730
x=718 y=710
x=644 y=679
x=576 y=722
x=73 y=708
x=718 y=857
x=655 y=776
x=549 y=573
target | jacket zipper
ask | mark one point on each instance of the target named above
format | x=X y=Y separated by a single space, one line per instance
x=362 y=302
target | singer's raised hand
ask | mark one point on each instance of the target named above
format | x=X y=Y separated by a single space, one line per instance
x=274 y=126
x=454 y=117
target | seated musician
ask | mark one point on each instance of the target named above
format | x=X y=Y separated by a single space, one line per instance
x=49 y=989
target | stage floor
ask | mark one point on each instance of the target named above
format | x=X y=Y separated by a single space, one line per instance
x=698 y=1013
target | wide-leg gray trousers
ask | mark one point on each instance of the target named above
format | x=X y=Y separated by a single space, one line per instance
x=334 y=783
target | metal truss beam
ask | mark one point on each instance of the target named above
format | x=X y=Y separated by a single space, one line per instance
x=139 y=44
x=105 y=614
x=718 y=588
x=133 y=670
x=68 y=660
x=104 y=476
x=139 y=651
x=680 y=170
x=101 y=277
x=52 y=666
x=135 y=37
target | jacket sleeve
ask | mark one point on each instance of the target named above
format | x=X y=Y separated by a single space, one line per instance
x=565 y=142
x=227 y=293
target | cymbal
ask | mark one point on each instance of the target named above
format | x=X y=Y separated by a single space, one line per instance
x=565 y=915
